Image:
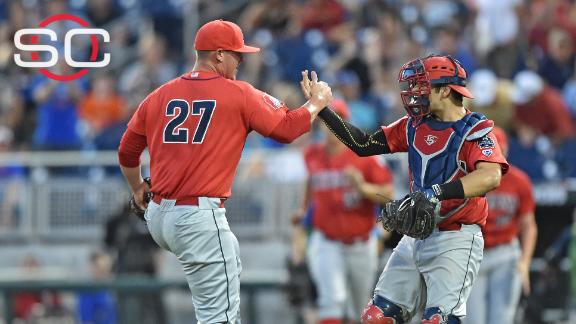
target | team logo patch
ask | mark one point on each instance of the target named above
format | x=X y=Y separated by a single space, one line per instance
x=272 y=102
x=485 y=142
x=487 y=152
x=430 y=139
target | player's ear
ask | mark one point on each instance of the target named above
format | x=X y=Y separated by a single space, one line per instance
x=219 y=55
x=445 y=91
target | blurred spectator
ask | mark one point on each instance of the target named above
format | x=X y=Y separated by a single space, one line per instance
x=324 y=15
x=121 y=47
x=443 y=13
x=12 y=186
x=546 y=15
x=136 y=254
x=497 y=29
x=102 y=106
x=362 y=114
x=166 y=18
x=569 y=94
x=275 y=16
x=25 y=302
x=447 y=42
x=149 y=72
x=135 y=250
x=566 y=158
x=97 y=307
x=533 y=154
x=11 y=104
x=267 y=22
x=296 y=54
x=102 y=12
x=558 y=66
x=540 y=107
x=492 y=97
x=31 y=306
x=57 y=114
x=348 y=56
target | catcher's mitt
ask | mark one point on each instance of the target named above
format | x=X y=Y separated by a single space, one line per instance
x=414 y=215
x=136 y=210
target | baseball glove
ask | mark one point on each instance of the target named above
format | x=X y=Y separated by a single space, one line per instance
x=300 y=287
x=136 y=210
x=414 y=215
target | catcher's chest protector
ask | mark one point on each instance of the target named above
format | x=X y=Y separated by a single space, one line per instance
x=434 y=148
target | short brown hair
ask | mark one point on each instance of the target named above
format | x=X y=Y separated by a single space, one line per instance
x=455 y=96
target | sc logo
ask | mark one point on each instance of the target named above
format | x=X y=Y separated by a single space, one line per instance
x=34 y=48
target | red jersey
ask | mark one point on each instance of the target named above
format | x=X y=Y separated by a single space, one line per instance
x=507 y=205
x=475 y=209
x=196 y=127
x=339 y=211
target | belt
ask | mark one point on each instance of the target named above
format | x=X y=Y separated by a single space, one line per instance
x=450 y=227
x=191 y=201
x=349 y=240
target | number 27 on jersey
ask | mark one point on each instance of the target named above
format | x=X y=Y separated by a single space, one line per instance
x=179 y=110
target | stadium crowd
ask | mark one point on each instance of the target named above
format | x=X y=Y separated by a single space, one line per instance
x=520 y=56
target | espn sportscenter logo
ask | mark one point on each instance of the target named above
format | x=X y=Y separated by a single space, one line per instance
x=33 y=47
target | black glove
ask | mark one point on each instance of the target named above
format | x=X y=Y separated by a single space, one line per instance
x=136 y=210
x=414 y=215
x=299 y=284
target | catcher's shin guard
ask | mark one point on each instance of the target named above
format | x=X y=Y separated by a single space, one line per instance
x=382 y=311
x=434 y=315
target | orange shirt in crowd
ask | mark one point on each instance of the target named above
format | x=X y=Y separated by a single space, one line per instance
x=100 y=112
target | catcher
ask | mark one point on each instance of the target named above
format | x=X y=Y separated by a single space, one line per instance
x=454 y=160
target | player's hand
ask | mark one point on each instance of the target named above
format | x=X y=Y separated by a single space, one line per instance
x=305 y=85
x=141 y=195
x=319 y=92
x=355 y=177
x=298 y=216
x=524 y=270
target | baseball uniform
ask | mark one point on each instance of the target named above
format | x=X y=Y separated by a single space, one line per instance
x=195 y=127
x=342 y=254
x=438 y=272
x=496 y=293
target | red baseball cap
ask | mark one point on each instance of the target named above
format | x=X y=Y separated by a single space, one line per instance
x=222 y=34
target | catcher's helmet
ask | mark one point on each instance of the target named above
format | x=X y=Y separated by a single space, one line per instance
x=418 y=76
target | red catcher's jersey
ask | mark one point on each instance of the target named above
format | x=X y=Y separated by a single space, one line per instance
x=507 y=205
x=339 y=211
x=476 y=209
x=196 y=127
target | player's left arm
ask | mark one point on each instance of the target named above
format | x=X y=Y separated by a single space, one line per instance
x=528 y=235
x=485 y=163
x=379 y=193
x=131 y=147
x=528 y=231
x=375 y=184
x=485 y=178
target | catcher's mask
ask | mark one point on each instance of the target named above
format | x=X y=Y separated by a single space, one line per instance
x=419 y=76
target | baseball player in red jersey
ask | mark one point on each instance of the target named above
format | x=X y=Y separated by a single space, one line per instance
x=343 y=191
x=506 y=265
x=195 y=127
x=454 y=160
